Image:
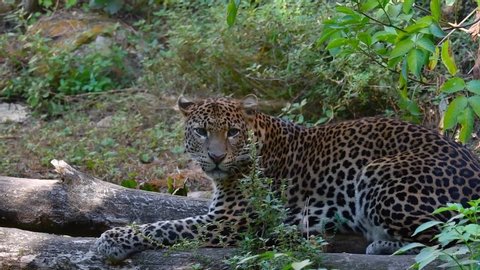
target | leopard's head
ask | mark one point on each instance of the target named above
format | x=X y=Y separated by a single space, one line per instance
x=216 y=134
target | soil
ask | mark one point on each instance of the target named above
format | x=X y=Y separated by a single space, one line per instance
x=137 y=124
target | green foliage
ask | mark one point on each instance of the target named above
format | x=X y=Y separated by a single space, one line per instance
x=232 y=9
x=296 y=112
x=406 y=38
x=271 y=51
x=459 y=239
x=51 y=74
x=109 y=6
x=174 y=190
x=268 y=242
x=129 y=183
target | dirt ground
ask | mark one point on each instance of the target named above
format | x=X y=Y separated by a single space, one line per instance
x=117 y=137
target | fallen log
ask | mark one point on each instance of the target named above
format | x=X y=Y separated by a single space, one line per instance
x=21 y=249
x=81 y=205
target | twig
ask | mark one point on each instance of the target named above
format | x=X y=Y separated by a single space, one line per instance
x=463 y=26
x=70 y=97
x=8 y=137
x=454 y=29
x=380 y=22
x=390 y=69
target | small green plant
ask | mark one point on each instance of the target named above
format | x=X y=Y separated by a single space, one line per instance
x=295 y=112
x=174 y=190
x=458 y=241
x=269 y=243
x=53 y=74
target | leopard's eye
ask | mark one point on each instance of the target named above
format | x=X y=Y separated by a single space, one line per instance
x=200 y=132
x=233 y=132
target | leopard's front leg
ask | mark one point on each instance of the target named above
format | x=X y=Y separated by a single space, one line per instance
x=212 y=230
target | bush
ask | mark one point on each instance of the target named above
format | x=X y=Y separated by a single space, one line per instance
x=268 y=243
x=459 y=239
x=51 y=75
x=408 y=38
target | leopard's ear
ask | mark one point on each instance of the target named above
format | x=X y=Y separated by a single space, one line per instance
x=250 y=104
x=185 y=105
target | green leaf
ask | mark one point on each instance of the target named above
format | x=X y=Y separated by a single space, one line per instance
x=450 y=119
x=436 y=30
x=450 y=207
x=453 y=85
x=384 y=36
x=45 y=3
x=407 y=248
x=232 y=9
x=474 y=86
x=450 y=3
x=335 y=43
x=130 y=183
x=426 y=43
x=426 y=256
x=244 y=260
x=345 y=10
x=365 y=38
x=326 y=34
x=402 y=48
x=407 y=104
x=148 y=187
x=474 y=103
x=426 y=225
x=369 y=5
x=466 y=122
x=146 y=158
x=433 y=59
x=435 y=9
x=407 y=6
x=416 y=60
x=447 y=58
x=301 y=265
x=422 y=23
x=70 y=3
x=113 y=6
x=473 y=229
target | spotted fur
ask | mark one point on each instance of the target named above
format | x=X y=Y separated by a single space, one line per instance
x=375 y=176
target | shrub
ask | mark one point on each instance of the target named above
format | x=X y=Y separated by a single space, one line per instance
x=51 y=75
x=407 y=38
x=459 y=239
x=269 y=243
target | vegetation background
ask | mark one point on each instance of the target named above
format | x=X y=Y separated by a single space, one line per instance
x=101 y=77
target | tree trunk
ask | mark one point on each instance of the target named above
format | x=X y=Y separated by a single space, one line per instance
x=80 y=205
x=29 y=250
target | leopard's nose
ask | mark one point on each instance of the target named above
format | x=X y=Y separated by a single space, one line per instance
x=217 y=157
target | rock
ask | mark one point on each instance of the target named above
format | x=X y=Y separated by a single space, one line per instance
x=83 y=33
x=10 y=112
x=106 y=122
x=70 y=30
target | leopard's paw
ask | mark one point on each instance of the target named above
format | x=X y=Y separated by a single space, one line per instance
x=117 y=244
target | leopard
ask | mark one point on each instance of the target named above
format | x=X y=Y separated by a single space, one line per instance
x=378 y=177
